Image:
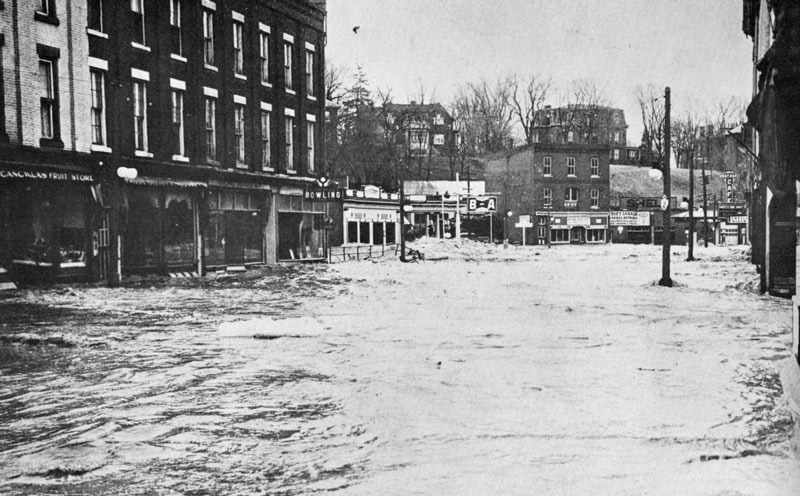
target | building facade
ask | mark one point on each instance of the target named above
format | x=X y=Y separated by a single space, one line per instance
x=774 y=112
x=201 y=124
x=588 y=125
x=563 y=189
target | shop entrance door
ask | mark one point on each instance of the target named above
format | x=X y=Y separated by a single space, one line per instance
x=578 y=235
x=234 y=238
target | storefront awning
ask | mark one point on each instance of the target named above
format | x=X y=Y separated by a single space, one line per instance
x=213 y=183
x=161 y=181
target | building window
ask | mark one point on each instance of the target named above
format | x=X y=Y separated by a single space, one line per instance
x=570 y=166
x=95 y=8
x=177 y=123
x=98 y=112
x=616 y=153
x=632 y=155
x=140 y=115
x=310 y=127
x=438 y=139
x=175 y=27
x=211 y=128
x=310 y=73
x=547 y=163
x=571 y=195
x=595 y=195
x=617 y=136
x=264 y=56
x=266 y=153
x=238 y=118
x=47 y=99
x=595 y=166
x=137 y=6
x=438 y=120
x=289 y=143
x=570 y=136
x=547 y=195
x=287 y=64
x=208 y=37
x=238 y=52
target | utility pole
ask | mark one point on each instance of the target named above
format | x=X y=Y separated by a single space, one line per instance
x=705 y=194
x=665 y=278
x=690 y=258
x=402 y=222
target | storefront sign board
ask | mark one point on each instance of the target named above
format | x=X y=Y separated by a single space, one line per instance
x=46 y=176
x=629 y=218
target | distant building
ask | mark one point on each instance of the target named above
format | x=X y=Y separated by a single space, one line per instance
x=563 y=188
x=427 y=128
x=586 y=125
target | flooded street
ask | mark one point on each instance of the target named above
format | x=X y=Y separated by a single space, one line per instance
x=510 y=374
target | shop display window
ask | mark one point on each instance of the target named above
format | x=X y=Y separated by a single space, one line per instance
x=298 y=237
x=48 y=229
x=391 y=228
x=142 y=243
x=178 y=228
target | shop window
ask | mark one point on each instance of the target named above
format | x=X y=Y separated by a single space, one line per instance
x=299 y=236
x=559 y=235
x=377 y=233
x=390 y=233
x=178 y=228
x=363 y=232
x=595 y=235
x=142 y=244
x=352 y=232
x=47 y=228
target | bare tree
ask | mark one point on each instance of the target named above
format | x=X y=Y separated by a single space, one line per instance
x=527 y=97
x=484 y=116
x=334 y=82
x=685 y=133
x=651 y=105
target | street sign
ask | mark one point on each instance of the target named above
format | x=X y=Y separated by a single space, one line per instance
x=488 y=203
x=664 y=203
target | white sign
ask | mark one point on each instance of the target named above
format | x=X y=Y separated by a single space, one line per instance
x=629 y=218
x=370 y=215
x=738 y=219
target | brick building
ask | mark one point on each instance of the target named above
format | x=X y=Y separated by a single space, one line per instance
x=202 y=123
x=49 y=184
x=564 y=188
x=588 y=125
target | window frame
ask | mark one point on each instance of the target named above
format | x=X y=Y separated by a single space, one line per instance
x=571 y=166
x=289 y=142
x=263 y=43
x=571 y=194
x=237 y=29
x=210 y=124
x=140 y=130
x=209 y=59
x=239 y=134
x=137 y=8
x=547 y=197
x=310 y=145
x=288 y=65
x=547 y=166
x=47 y=99
x=179 y=126
x=594 y=195
x=266 y=137
x=310 y=73
x=50 y=55
x=595 y=167
x=175 y=27
x=98 y=115
x=98 y=4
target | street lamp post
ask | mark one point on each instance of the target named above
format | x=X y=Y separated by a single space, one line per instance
x=509 y=213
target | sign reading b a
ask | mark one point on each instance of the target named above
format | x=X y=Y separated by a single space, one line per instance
x=487 y=203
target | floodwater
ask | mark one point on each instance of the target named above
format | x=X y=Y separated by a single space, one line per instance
x=530 y=376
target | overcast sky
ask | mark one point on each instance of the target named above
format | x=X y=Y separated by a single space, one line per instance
x=694 y=46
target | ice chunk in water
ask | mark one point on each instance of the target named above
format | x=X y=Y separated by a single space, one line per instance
x=269 y=328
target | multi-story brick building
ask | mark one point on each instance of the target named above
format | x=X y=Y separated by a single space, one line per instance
x=588 y=125
x=427 y=129
x=203 y=122
x=563 y=188
x=49 y=184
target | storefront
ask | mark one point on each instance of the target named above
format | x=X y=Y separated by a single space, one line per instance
x=234 y=227
x=631 y=226
x=573 y=227
x=301 y=228
x=160 y=225
x=370 y=217
x=46 y=224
